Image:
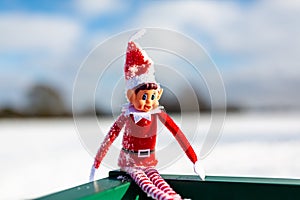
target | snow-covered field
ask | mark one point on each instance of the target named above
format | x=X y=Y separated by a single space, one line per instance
x=39 y=156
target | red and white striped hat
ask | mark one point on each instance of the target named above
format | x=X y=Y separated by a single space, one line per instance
x=139 y=68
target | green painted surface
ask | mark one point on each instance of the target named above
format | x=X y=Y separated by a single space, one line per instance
x=238 y=188
x=189 y=186
x=101 y=189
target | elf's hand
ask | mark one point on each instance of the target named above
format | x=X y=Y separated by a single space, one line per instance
x=94 y=168
x=199 y=169
x=92 y=174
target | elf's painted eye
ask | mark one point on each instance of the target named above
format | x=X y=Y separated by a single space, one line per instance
x=144 y=97
x=153 y=97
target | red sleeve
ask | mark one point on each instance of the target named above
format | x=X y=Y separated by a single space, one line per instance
x=179 y=135
x=109 y=139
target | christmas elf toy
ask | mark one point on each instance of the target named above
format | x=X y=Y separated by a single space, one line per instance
x=139 y=119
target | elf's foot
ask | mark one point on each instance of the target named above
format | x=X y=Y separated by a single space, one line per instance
x=177 y=197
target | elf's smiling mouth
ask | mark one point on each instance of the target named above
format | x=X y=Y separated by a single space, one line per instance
x=147 y=108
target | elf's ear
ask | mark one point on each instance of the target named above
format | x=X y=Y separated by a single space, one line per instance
x=160 y=91
x=131 y=95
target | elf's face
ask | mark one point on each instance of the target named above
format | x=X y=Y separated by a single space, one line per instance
x=144 y=100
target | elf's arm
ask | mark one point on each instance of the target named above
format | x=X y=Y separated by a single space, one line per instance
x=178 y=134
x=109 y=139
x=184 y=143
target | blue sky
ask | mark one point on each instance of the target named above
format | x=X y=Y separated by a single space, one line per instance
x=255 y=45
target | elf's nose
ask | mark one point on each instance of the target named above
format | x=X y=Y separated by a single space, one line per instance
x=148 y=101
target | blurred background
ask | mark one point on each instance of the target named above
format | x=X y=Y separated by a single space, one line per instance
x=254 y=44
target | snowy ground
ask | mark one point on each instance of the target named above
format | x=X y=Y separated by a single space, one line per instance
x=39 y=157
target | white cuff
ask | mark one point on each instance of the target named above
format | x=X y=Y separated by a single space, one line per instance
x=199 y=169
x=92 y=174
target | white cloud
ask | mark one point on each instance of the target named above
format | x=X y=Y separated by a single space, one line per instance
x=260 y=40
x=40 y=48
x=93 y=8
x=231 y=27
x=27 y=32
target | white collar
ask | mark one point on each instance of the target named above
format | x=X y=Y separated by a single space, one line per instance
x=128 y=109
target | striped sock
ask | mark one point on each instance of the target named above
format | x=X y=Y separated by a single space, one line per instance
x=146 y=184
x=157 y=180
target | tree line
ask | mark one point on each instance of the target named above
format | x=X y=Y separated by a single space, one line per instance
x=46 y=101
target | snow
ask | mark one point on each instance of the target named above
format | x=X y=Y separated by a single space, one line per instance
x=40 y=156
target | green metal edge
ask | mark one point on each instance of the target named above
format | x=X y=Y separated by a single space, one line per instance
x=110 y=194
x=235 y=188
x=232 y=179
x=189 y=186
x=102 y=189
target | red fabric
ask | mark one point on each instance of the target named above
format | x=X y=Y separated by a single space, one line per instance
x=178 y=134
x=109 y=139
x=135 y=57
x=149 y=180
x=142 y=135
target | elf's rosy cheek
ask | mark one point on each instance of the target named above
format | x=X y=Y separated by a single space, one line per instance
x=140 y=104
x=155 y=104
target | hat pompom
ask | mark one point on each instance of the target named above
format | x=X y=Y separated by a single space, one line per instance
x=138 y=35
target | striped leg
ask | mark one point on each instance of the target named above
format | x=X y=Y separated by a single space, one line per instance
x=141 y=179
x=159 y=182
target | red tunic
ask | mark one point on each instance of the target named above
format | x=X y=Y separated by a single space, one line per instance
x=139 y=136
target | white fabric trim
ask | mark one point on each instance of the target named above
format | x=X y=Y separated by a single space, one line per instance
x=137 y=80
x=128 y=109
